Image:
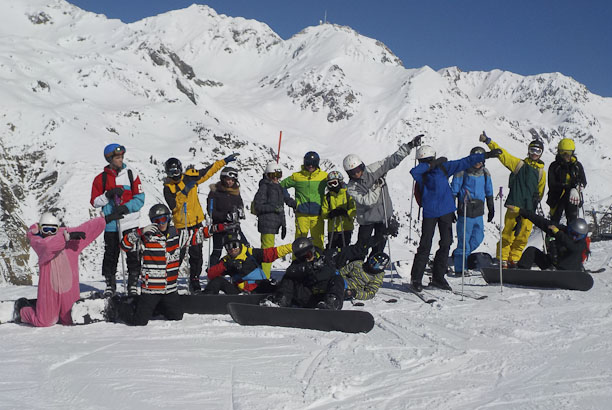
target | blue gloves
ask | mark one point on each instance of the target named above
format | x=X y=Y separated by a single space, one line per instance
x=231 y=157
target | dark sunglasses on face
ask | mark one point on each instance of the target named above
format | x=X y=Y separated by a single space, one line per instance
x=565 y=152
x=277 y=174
x=232 y=245
x=49 y=229
x=333 y=183
x=160 y=220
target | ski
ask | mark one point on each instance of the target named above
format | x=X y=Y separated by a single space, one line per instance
x=600 y=270
x=467 y=294
x=420 y=295
x=347 y=321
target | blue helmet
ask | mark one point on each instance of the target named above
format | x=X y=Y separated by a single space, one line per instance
x=311 y=158
x=113 y=149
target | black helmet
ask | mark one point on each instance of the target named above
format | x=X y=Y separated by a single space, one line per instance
x=231 y=240
x=311 y=158
x=173 y=167
x=377 y=263
x=477 y=150
x=158 y=210
x=536 y=147
x=302 y=248
x=230 y=173
x=578 y=227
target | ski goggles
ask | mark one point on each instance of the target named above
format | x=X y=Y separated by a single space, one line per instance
x=161 y=219
x=120 y=150
x=276 y=174
x=173 y=172
x=230 y=174
x=534 y=151
x=334 y=183
x=311 y=163
x=565 y=152
x=49 y=229
x=232 y=245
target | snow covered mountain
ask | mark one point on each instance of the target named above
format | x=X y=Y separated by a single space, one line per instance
x=198 y=85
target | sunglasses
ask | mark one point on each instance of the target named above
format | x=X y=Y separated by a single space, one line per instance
x=277 y=174
x=354 y=171
x=49 y=229
x=311 y=164
x=232 y=245
x=231 y=174
x=565 y=152
x=535 y=150
x=334 y=183
x=160 y=220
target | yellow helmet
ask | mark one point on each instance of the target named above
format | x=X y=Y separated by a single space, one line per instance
x=566 y=144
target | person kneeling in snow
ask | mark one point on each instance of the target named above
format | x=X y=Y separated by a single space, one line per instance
x=567 y=249
x=363 y=279
x=58 y=250
x=244 y=266
x=310 y=281
x=162 y=250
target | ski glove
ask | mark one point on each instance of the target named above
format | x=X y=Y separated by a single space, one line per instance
x=149 y=230
x=483 y=138
x=76 y=236
x=115 y=192
x=494 y=153
x=491 y=208
x=415 y=142
x=437 y=162
x=113 y=217
x=334 y=213
x=122 y=210
x=231 y=157
x=291 y=203
x=574 y=197
x=283 y=231
x=491 y=216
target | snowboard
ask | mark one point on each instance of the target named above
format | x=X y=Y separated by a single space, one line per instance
x=203 y=304
x=89 y=310
x=561 y=279
x=348 y=321
x=7 y=308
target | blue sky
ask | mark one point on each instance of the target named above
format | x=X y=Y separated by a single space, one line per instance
x=573 y=37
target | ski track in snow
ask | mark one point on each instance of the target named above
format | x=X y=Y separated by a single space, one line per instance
x=518 y=349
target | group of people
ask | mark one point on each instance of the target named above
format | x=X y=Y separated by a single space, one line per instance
x=320 y=275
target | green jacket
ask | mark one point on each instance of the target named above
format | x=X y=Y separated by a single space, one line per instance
x=309 y=190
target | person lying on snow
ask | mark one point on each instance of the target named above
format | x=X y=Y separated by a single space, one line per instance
x=310 y=281
x=363 y=279
x=244 y=266
x=162 y=249
x=58 y=249
x=565 y=252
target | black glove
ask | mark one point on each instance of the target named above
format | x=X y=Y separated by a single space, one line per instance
x=76 y=236
x=393 y=226
x=231 y=157
x=334 y=213
x=122 y=210
x=279 y=209
x=491 y=216
x=437 y=162
x=494 y=153
x=233 y=265
x=283 y=231
x=291 y=203
x=115 y=192
x=112 y=217
x=416 y=141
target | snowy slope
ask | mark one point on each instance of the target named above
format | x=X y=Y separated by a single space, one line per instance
x=198 y=85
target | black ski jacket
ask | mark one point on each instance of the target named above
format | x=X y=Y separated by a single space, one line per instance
x=269 y=206
x=562 y=177
x=225 y=201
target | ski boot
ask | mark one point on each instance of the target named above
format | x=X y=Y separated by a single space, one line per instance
x=132 y=285
x=331 y=302
x=194 y=286
x=20 y=304
x=111 y=287
x=417 y=286
x=440 y=283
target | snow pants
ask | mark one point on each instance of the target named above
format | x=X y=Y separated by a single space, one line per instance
x=221 y=284
x=365 y=240
x=445 y=227
x=534 y=255
x=564 y=205
x=514 y=242
x=474 y=234
x=308 y=296
x=339 y=239
x=267 y=241
x=310 y=223
x=111 y=257
x=147 y=304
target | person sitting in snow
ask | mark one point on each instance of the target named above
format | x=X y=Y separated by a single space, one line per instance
x=363 y=279
x=310 y=281
x=58 y=250
x=567 y=249
x=244 y=266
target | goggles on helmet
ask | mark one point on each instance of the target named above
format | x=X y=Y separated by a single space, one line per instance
x=120 y=150
x=276 y=174
x=49 y=229
x=231 y=174
x=535 y=150
x=161 y=219
x=232 y=245
x=334 y=183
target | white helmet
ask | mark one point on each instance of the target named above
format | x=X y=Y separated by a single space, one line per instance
x=351 y=161
x=425 y=151
x=48 y=219
x=272 y=167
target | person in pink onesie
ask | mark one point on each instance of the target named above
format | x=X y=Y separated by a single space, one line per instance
x=58 y=250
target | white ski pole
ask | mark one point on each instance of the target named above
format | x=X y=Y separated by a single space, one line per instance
x=464 y=234
x=386 y=234
x=411 y=203
x=125 y=290
x=501 y=222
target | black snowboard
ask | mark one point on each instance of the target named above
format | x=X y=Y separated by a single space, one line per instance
x=348 y=321
x=561 y=279
x=203 y=304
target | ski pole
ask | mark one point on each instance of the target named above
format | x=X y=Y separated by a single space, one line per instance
x=187 y=233
x=541 y=212
x=501 y=222
x=412 y=202
x=122 y=258
x=280 y=137
x=465 y=197
x=210 y=211
x=342 y=229
x=387 y=231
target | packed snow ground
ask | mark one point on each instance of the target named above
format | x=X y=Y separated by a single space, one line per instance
x=518 y=349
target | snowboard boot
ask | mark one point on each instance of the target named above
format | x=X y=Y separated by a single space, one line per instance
x=132 y=284
x=331 y=302
x=194 y=286
x=111 y=309
x=20 y=304
x=268 y=301
x=111 y=287
x=440 y=283
x=417 y=286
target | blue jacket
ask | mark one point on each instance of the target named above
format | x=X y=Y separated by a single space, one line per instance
x=437 y=197
x=479 y=187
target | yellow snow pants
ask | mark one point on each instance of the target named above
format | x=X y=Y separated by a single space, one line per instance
x=313 y=223
x=513 y=246
x=267 y=241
